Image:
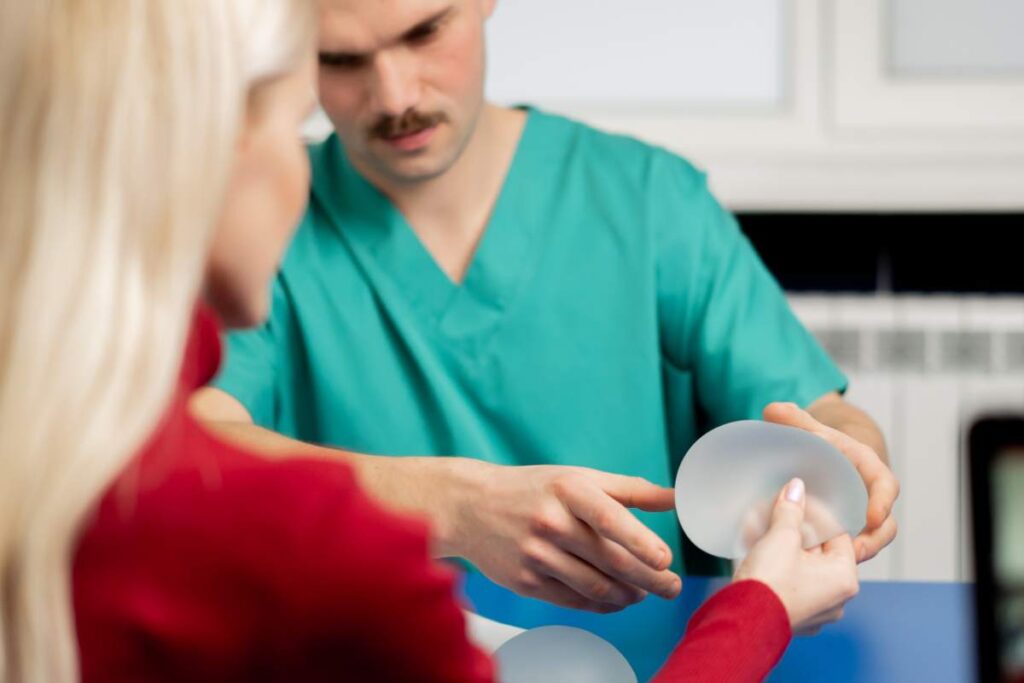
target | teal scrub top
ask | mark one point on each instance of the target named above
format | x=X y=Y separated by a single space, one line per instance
x=612 y=312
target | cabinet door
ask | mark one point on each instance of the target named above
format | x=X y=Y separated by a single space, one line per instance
x=940 y=65
x=581 y=55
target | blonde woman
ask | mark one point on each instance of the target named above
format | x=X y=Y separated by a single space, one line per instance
x=151 y=160
x=132 y=545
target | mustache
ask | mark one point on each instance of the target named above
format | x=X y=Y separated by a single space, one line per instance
x=408 y=123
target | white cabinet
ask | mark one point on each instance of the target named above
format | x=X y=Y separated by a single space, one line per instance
x=791 y=104
x=671 y=56
x=955 y=38
x=955 y=66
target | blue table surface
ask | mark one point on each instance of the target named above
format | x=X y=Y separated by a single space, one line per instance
x=891 y=631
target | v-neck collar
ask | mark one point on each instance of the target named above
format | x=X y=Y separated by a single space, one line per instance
x=392 y=255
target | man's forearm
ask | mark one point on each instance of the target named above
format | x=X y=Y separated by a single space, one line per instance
x=427 y=486
x=835 y=412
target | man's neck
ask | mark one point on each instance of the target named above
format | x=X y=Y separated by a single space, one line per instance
x=449 y=213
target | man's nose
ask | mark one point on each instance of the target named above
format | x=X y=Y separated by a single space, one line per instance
x=396 y=89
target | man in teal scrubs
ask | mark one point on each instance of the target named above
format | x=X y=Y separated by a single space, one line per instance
x=564 y=309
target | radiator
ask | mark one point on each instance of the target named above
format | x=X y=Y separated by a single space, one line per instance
x=924 y=367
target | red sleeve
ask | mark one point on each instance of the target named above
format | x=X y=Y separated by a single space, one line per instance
x=234 y=568
x=737 y=635
x=374 y=602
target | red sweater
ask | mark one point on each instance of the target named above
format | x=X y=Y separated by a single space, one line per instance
x=204 y=562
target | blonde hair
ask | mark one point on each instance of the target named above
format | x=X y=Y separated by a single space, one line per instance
x=118 y=125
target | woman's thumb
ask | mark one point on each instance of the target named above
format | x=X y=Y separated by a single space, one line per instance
x=789 y=506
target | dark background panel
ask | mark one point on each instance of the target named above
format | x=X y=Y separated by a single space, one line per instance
x=891 y=252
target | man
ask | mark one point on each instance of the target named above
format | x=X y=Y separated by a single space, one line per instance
x=563 y=308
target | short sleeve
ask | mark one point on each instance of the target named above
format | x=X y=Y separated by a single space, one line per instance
x=251 y=366
x=722 y=315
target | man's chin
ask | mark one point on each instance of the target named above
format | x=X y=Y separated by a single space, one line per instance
x=409 y=171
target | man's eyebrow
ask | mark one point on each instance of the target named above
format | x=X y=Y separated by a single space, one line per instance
x=427 y=23
x=353 y=57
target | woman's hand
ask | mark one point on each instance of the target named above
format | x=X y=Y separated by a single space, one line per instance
x=882 y=486
x=813 y=585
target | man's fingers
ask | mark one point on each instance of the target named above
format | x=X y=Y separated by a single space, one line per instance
x=637 y=492
x=549 y=560
x=867 y=462
x=606 y=516
x=792 y=415
x=615 y=561
x=554 y=591
x=883 y=490
x=883 y=487
x=870 y=542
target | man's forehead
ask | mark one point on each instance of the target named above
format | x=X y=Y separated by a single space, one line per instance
x=364 y=25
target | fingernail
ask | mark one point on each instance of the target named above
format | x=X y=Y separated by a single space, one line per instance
x=795 y=491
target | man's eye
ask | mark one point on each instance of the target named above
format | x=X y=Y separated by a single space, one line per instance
x=341 y=60
x=423 y=34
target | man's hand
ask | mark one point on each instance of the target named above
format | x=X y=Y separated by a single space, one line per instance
x=882 y=486
x=561 y=534
x=565 y=535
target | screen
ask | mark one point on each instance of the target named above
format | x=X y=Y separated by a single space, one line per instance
x=1007 y=487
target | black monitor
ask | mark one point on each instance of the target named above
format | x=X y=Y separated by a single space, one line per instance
x=996 y=451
